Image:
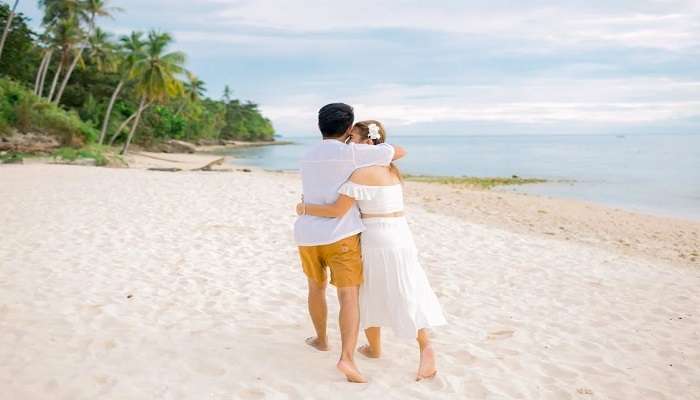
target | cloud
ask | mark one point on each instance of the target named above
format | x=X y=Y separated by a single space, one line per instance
x=673 y=25
x=548 y=103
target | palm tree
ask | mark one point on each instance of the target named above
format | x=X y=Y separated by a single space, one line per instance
x=8 y=25
x=156 y=76
x=91 y=9
x=87 y=11
x=66 y=34
x=194 y=90
x=227 y=94
x=47 y=52
x=132 y=51
x=62 y=31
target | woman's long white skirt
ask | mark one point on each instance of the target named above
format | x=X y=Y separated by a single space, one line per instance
x=396 y=292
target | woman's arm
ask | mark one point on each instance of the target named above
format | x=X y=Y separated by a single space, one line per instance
x=335 y=210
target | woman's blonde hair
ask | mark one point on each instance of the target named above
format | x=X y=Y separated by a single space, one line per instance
x=362 y=128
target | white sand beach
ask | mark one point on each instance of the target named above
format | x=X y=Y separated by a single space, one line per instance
x=134 y=284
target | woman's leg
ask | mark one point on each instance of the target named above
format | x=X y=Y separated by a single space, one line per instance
x=427 y=367
x=374 y=338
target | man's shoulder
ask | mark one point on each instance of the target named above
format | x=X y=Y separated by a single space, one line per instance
x=321 y=152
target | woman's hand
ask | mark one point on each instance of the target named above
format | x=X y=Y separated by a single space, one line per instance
x=300 y=209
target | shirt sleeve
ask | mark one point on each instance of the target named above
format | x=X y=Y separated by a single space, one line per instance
x=366 y=155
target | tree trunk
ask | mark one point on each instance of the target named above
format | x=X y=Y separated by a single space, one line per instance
x=180 y=108
x=105 y=123
x=124 y=124
x=66 y=78
x=121 y=128
x=44 y=72
x=56 y=76
x=133 y=127
x=40 y=71
x=8 y=25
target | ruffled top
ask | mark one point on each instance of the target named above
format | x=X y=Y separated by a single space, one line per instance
x=375 y=199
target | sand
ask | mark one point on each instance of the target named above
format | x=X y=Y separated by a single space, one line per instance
x=133 y=284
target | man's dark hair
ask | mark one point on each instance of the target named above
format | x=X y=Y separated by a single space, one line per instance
x=335 y=119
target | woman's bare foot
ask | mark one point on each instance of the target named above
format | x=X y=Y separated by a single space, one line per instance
x=350 y=371
x=366 y=350
x=318 y=344
x=427 y=368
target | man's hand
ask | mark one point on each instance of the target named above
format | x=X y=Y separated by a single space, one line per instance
x=399 y=152
x=300 y=209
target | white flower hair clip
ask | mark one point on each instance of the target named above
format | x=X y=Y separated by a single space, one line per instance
x=374 y=132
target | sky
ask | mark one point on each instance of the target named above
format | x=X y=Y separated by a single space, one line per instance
x=444 y=67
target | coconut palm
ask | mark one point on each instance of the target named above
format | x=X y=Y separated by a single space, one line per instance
x=132 y=50
x=102 y=52
x=62 y=32
x=66 y=34
x=47 y=52
x=8 y=25
x=87 y=12
x=194 y=89
x=91 y=9
x=156 y=76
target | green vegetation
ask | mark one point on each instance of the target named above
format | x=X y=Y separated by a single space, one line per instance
x=81 y=84
x=23 y=111
x=94 y=152
x=11 y=158
x=483 y=183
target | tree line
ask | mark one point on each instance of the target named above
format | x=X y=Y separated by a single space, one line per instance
x=130 y=89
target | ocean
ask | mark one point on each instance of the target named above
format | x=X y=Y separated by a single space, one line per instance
x=657 y=174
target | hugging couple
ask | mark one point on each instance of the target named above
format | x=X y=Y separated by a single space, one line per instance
x=351 y=222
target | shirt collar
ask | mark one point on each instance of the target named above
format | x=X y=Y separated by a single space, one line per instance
x=332 y=141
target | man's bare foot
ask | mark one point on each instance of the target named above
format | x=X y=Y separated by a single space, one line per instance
x=317 y=343
x=350 y=371
x=427 y=368
x=366 y=350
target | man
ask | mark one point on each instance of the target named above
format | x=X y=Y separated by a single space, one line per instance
x=334 y=243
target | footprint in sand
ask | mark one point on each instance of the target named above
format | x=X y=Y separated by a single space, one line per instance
x=500 y=335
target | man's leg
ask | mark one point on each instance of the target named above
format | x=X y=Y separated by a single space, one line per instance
x=349 y=329
x=318 y=310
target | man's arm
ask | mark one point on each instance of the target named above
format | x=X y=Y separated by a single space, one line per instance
x=366 y=155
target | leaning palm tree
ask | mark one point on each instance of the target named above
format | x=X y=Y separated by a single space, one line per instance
x=62 y=32
x=156 y=76
x=87 y=12
x=8 y=25
x=45 y=41
x=132 y=50
x=66 y=34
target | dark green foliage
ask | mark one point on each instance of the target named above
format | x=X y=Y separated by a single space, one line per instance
x=20 y=57
x=244 y=122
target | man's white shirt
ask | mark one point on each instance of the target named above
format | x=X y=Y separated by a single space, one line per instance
x=324 y=168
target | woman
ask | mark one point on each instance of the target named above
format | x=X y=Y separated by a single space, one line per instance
x=396 y=292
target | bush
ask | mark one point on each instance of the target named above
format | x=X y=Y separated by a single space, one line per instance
x=94 y=152
x=24 y=111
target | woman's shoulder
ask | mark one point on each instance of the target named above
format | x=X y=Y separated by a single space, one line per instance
x=373 y=176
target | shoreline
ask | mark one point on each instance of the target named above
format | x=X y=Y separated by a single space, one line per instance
x=237 y=144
